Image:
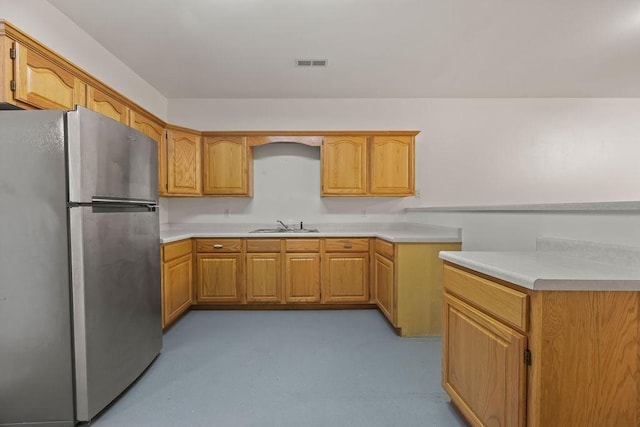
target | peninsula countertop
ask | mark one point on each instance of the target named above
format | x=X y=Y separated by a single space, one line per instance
x=558 y=264
x=397 y=232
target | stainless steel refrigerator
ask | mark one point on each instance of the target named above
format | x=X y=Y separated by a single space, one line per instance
x=80 y=315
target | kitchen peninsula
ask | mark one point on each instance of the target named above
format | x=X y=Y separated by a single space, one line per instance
x=393 y=266
x=543 y=338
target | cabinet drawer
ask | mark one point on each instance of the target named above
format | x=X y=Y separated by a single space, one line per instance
x=346 y=245
x=302 y=245
x=384 y=248
x=498 y=300
x=219 y=245
x=263 y=245
x=176 y=249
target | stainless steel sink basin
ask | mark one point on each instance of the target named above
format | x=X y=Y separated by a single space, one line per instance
x=284 y=230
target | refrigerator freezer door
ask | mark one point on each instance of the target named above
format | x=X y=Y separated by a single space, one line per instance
x=109 y=160
x=115 y=253
x=35 y=322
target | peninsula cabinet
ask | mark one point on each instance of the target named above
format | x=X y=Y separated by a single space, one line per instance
x=183 y=162
x=345 y=271
x=42 y=83
x=407 y=285
x=227 y=166
x=519 y=357
x=302 y=270
x=220 y=271
x=177 y=280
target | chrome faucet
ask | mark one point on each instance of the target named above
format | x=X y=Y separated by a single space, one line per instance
x=286 y=227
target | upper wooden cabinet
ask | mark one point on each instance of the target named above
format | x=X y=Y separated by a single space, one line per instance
x=227 y=166
x=344 y=165
x=42 y=83
x=392 y=166
x=376 y=165
x=154 y=129
x=183 y=162
x=107 y=105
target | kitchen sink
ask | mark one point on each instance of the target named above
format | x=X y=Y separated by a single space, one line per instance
x=284 y=230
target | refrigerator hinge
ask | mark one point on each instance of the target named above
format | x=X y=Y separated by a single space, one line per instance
x=13 y=85
x=527 y=357
x=12 y=53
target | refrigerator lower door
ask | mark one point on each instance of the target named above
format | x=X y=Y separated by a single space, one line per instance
x=115 y=267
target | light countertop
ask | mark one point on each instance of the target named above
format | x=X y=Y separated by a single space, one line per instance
x=558 y=264
x=400 y=232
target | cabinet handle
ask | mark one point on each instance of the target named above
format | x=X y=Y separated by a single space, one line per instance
x=217 y=246
x=348 y=246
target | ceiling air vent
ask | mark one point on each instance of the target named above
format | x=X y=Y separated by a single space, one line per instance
x=311 y=62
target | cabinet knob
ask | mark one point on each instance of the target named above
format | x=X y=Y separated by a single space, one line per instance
x=217 y=246
x=348 y=246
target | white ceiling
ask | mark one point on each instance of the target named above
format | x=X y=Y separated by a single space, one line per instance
x=375 y=48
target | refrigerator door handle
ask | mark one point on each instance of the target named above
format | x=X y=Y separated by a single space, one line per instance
x=112 y=201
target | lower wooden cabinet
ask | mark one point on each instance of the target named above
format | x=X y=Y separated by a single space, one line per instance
x=345 y=270
x=264 y=278
x=302 y=277
x=177 y=280
x=220 y=278
x=407 y=285
x=384 y=286
x=513 y=356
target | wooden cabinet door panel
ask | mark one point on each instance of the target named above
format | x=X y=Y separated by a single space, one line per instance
x=42 y=83
x=384 y=287
x=177 y=290
x=345 y=277
x=392 y=166
x=226 y=166
x=483 y=366
x=344 y=165
x=302 y=281
x=264 y=275
x=183 y=163
x=104 y=104
x=220 y=278
x=155 y=131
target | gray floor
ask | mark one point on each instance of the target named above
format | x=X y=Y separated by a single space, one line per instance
x=287 y=368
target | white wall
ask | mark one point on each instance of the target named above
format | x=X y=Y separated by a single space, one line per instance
x=45 y=23
x=469 y=152
x=517 y=231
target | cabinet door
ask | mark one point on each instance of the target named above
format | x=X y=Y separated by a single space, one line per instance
x=392 y=166
x=483 y=366
x=176 y=288
x=220 y=278
x=345 y=277
x=226 y=166
x=264 y=272
x=43 y=84
x=183 y=163
x=344 y=165
x=302 y=281
x=155 y=131
x=104 y=104
x=384 y=287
